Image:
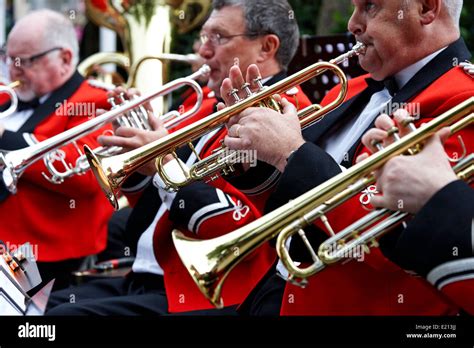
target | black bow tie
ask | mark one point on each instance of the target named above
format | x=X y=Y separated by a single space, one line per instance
x=389 y=83
x=26 y=105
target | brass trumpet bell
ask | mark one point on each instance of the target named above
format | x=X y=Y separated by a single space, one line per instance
x=210 y=261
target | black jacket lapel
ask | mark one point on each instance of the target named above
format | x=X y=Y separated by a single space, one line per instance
x=348 y=109
x=438 y=66
x=44 y=110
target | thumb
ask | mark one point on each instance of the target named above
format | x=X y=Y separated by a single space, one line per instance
x=220 y=106
x=362 y=157
x=277 y=98
x=444 y=134
x=288 y=108
x=155 y=122
x=438 y=139
x=378 y=201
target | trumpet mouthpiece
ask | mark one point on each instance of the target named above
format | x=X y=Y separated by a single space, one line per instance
x=359 y=48
x=14 y=84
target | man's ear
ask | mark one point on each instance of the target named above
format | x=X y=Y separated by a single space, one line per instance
x=429 y=10
x=269 y=49
x=66 y=56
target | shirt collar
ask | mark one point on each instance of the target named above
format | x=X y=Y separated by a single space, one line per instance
x=266 y=79
x=44 y=98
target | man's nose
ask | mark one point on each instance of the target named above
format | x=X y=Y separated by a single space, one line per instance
x=206 y=50
x=15 y=72
x=355 y=24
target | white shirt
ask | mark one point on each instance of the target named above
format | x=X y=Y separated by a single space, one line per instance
x=145 y=261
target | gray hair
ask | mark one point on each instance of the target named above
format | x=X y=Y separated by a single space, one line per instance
x=59 y=32
x=269 y=17
x=454 y=8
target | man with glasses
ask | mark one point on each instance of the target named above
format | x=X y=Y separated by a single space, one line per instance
x=63 y=222
x=238 y=31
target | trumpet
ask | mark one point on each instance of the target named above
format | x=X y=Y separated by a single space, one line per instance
x=136 y=118
x=111 y=172
x=209 y=262
x=9 y=89
x=14 y=163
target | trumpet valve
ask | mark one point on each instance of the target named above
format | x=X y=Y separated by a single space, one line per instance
x=234 y=93
x=112 y=102
x=122 y=97
x=246 y=89
x=213 y=178
x=410 y=123
x=377 y=144
x=393 y=132
x=229 y=169
x=258 y=82
x=365 y=249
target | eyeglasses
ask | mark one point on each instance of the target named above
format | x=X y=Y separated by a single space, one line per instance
x=218 y=39
x=27 y=62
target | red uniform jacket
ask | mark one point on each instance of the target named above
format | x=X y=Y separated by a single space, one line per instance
x=212 y=210
x=437 y=243
x=68 y=220
x=376 y=286
x=205 y=211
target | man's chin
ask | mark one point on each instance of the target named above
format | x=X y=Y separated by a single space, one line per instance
x=369 y=65
x=25 y=95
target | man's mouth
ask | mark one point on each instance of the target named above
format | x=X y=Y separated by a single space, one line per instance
x=214 y=72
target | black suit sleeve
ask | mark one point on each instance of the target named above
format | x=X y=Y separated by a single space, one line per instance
x=255 y=180
x=307 y=167
x=440 y=232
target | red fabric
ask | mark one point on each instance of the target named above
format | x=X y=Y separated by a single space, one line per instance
x=4 y=97
x=68 y=220
x=460 y=292
x=182 y=293
x=372 y=287
x=100 y=5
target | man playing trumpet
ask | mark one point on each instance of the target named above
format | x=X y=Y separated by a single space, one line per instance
x=413 y=48
x=42 y=53
x=237 y=32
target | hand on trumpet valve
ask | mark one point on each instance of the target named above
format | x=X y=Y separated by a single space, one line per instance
x=130 y=138
x=272 y=135
x=120 y=95
x=402 y=183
